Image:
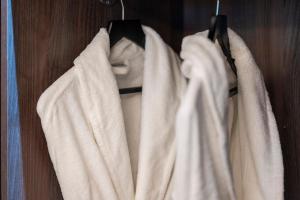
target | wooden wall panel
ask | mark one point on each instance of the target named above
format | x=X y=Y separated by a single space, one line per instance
x=271 y=29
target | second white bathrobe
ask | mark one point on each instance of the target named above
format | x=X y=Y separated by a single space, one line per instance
x=227 y=148
x=107 y=147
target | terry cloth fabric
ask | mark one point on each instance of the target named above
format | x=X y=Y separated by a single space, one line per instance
x=106 y=146
x=226 y=148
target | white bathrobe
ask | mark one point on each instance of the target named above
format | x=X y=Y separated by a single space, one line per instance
x=227 y=148
x=107 y=147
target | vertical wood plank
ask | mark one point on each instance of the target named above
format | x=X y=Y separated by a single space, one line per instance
x=285 y=86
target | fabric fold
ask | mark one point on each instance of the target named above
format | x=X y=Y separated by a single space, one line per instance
x=227 y=148
x=202 y=164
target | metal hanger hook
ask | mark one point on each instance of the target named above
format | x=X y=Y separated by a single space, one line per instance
x=123 y=10
x=218 y=8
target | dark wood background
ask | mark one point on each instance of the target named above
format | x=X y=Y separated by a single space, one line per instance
x=49 y=34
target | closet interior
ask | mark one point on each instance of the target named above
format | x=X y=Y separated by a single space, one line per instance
x=49 y=34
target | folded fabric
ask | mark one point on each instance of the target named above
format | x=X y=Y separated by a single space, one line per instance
x=227 y=148
x=107 y=146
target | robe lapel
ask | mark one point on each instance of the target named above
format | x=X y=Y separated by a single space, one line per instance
x=163 y=85
x=162 y=88
x=101 y=91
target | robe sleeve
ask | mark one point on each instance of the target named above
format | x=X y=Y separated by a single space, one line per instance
x=79 y=165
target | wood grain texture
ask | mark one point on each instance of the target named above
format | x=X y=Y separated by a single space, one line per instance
x=49 y=35
x=271 y=30
x=285 y=87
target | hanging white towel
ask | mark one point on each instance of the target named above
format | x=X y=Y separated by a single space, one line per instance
x=227 y=148
x=106 y=146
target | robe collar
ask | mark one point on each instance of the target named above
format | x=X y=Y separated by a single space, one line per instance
x=163 y=86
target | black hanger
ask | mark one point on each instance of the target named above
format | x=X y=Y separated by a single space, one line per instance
x=218 y=31
x=130 y=29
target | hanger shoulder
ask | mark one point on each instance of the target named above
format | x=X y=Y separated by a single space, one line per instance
x=130 y=29
x=218 y=26
x=218 y=31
